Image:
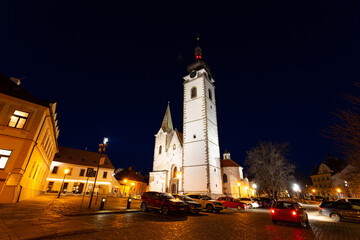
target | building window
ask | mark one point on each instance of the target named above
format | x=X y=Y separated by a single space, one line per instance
x=82 y=172
x=225 y=178
x=4 y=157
x=50 y=186
x=174 y=147
x=160 y=149
x=193 y=92
x=314 y=179
x=327 y=177
x=210 y=94
x=55 y=170
x=18 y=119
x=104 y=175
x=194 y=136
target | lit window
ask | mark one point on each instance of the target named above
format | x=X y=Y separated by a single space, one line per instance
x=193 y=92
x=18 y=119
x=55 y=170
x=4 y=157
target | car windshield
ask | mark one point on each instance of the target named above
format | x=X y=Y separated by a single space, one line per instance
x=354 y=201
x=205 y=197
x=284 y=205
x=186 y=198
x=167 y=196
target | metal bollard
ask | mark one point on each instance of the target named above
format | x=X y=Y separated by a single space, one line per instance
x=102 y=204
x=128 y=203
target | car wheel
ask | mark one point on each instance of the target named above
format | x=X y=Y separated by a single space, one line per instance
x=209 y=208
x=165 y=210
x=143 y=207
x=274 y=222
x=238 y=207
x=303 y=223
x=250 y=206
x=217 y=210
x=335 y=217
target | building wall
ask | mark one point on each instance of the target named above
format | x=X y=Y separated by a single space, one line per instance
x=235 y=176
x=32 y=149
x=103 y=185
x=131 y=188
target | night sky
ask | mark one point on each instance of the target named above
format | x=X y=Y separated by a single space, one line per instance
x=280 y=69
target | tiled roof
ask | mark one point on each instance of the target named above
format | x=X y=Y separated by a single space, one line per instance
x=81 y=157
x=129 y=174
x=229 y=163
x=10 y=88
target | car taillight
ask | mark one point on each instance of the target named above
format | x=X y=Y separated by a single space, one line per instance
x=320 y=208
x=294 y=213
x=272 y=211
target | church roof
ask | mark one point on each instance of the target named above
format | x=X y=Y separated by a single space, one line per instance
x=229 y=163
x=167 y=124
x=81 y=157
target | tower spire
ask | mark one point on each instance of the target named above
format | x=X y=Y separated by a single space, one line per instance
x=198 y=51
x=167 y=124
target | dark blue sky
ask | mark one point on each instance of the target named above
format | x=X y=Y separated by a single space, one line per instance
x=280 y=68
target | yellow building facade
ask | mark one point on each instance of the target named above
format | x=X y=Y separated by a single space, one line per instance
x=28 y=141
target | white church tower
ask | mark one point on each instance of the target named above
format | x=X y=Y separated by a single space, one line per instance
x=201 y=153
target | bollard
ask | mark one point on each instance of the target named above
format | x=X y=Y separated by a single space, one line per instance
x=102 y=203
x=128 y=203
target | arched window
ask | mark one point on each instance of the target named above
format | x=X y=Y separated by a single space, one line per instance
x=174 y=172
x=210 y=94
x=160 y=149
x=193 y=92
x=224 y=178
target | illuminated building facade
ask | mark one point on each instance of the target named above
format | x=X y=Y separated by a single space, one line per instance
x=28 y=141
x=76 y=181
x=132 y=183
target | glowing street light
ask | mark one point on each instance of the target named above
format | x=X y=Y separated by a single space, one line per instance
x=296 y=187
x=66 y=172
x=338 y=190
x=313 y=190
x=254 y=186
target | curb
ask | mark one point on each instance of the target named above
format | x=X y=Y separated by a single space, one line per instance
x=103 y=212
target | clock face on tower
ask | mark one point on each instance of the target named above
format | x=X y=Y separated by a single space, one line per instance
x=193 y=74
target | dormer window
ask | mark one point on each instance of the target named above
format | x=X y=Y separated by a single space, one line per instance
x=193 y=92
x=18 y=119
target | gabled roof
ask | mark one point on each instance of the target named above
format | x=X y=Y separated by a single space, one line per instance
x=335 y=164
x=229 y=163
x=10 y=88
x=129 y=174
x=167 y=124
x=81 y=157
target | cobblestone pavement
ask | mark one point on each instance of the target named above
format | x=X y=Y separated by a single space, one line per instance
x=229 y=224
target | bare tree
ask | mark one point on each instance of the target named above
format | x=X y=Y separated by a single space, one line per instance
x=346 y=133
x=268 y=164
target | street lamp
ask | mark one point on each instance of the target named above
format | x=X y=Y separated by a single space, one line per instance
x=239 y=189
x=102 y=148
x=66 y=172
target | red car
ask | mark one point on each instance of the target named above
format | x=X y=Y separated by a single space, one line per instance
x=287 y=211
x=230 y=202
x=161 y=201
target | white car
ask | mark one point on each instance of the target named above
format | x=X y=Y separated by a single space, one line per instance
x=251 y=203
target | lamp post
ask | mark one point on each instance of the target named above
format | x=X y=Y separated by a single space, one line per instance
x=62 y=184
x=102 y=148
x=239 y=189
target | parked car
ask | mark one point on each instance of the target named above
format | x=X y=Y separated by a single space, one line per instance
x=350 y=200
x=207 y=203
x=230 y=202
x=266 y=202
x=190 y=205
x=338 y=210
x=288 y=211
x=251 y=203
x=161 y=201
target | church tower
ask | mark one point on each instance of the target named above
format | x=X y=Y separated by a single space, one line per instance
x=201 y=153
